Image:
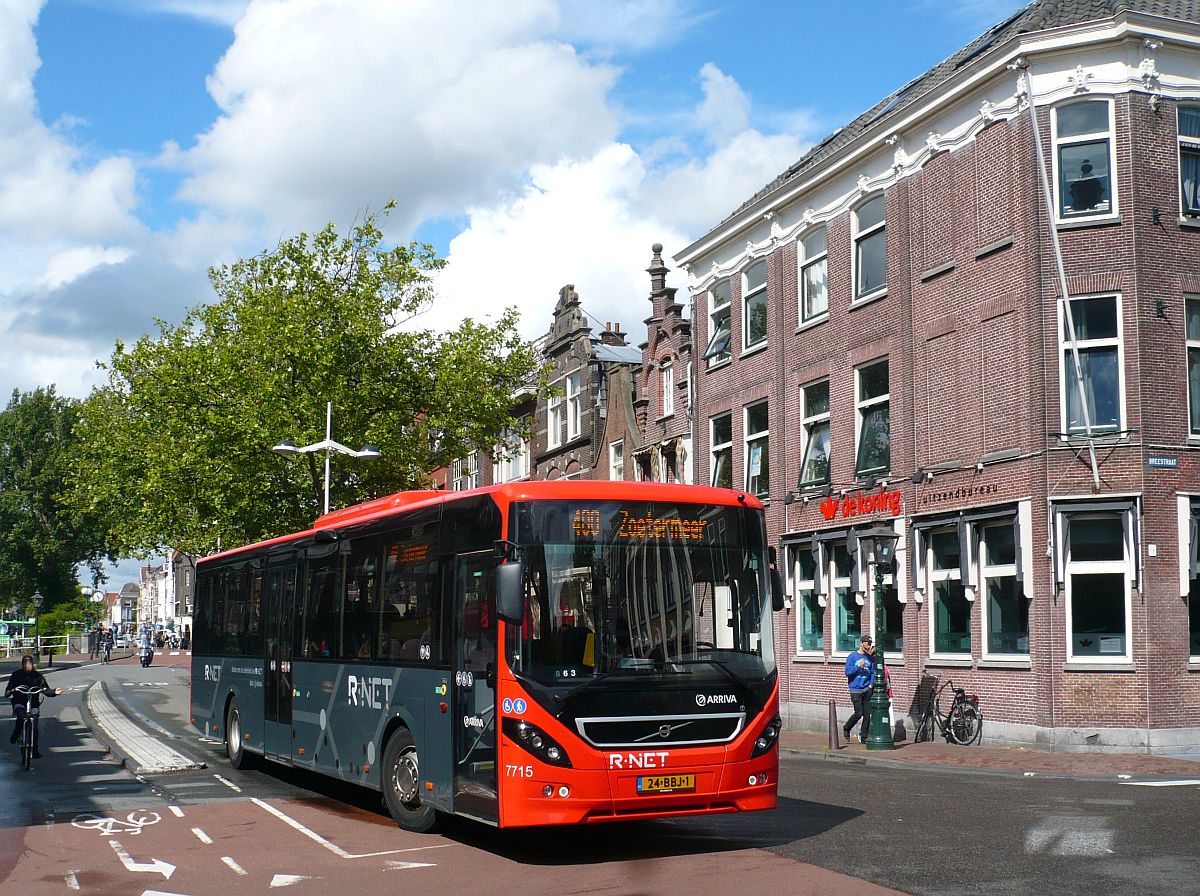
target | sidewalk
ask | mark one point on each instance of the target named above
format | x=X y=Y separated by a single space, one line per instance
x=61 y=662
x=1010 y=760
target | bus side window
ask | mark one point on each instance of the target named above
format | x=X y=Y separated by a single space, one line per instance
x=408 y=601
x=321 y=609
x=361 y=585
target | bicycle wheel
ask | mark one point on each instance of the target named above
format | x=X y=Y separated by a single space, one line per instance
x=965 y=724
x=925 y=726
x=27 y=746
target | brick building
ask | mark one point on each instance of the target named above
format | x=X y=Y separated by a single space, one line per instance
x=885 y=340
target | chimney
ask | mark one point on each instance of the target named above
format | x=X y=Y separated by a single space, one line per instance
x=612 y=335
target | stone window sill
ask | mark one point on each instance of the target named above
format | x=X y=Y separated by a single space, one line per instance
x=810 y=658
x=868 y=299
x=1005 y=663
x=949 y=662
x=1078 y=666
x=1084 y=223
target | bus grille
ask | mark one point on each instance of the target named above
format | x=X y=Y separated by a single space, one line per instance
x=646 y=731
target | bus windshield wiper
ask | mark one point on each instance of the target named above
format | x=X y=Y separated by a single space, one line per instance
x=729 y=673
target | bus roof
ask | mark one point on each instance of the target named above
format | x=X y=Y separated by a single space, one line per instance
x=538 y=490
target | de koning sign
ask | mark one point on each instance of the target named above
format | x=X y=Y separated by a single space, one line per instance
x=856 y=505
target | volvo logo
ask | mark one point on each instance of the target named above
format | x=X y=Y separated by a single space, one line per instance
x=664 y=730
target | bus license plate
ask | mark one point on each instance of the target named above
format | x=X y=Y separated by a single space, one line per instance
x=666 y=783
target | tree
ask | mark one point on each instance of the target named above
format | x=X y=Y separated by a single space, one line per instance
x=43 y=541
x=178 y=441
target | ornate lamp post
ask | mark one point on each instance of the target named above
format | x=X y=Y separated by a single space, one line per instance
x=883 y=546
x=287 y=448
x=37 y=621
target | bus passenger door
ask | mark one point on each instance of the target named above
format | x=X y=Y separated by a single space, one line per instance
x=474 y=662
x=281 y=599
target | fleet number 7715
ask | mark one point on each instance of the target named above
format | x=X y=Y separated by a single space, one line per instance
x=518 y=771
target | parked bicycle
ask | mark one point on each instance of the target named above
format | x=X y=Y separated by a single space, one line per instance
x=963 y=724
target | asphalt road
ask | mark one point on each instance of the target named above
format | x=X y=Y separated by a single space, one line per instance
x=919 y=831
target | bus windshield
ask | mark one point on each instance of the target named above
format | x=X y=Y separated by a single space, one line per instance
x=637 y=587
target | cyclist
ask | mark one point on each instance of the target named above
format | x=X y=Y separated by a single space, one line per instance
x=28 y=677
x=106 y=644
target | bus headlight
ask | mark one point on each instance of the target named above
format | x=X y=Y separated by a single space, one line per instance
x=534 y=741
x=767 y=737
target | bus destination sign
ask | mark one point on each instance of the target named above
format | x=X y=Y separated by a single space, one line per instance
x=630 y=527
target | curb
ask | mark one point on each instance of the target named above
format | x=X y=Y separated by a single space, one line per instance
x=113 y=745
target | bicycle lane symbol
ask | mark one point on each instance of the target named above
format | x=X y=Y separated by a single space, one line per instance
x=107 y=827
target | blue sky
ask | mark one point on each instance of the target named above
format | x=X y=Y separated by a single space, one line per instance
x=535 y=142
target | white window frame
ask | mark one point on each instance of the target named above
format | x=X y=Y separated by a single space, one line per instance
x=747 y=295
x=808 y=422
x=717 y=304
x=464 y=472
x=804 y=263
x=748 y=437
x=1085 y=567
x=989 y=570
x=667 y=373
x=574 y=404
x=1057 y=143
x=935 y=576
x=862 y=405
x=857 y=237
x=715 y=447
x=797 y=586
x=1193 y=144
x=836 y=582
x=898 y=580
x=616 y=460
x=1192 y=345
x=512 y=457
x=555 y=416
x=1067 y=363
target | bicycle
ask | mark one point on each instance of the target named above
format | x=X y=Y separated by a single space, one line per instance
x=27 y=724
x=962 y=725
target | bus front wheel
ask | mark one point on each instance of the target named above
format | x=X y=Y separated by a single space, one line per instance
x=402 y=785
x=238 y=757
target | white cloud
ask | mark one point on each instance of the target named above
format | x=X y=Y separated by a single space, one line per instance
x=628 y=24
x=440 y=105
x=725 y=108
x=69 y=264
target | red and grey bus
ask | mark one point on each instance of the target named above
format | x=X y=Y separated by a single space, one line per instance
x=524 y=654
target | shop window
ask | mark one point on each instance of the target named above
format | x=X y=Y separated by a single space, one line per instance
x=810 y=616
x=848 y=616
x=950 y=613
x=720 y=325
x=1083 y=159
x=1004 y=606
x=721 y=442
x=1098 y=336
x=814 y=469
x=1097 y=580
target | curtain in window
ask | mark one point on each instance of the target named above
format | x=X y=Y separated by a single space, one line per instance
x=1189 y=180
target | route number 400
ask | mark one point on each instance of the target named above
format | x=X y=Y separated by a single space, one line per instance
x=518 y=771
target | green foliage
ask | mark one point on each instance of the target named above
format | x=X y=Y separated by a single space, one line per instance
x=43 y=541
x=177 y=443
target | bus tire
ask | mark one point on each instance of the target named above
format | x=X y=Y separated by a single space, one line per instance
x=402 y=785
x=239 y=758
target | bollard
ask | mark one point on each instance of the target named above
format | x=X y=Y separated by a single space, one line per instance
x=50 y=662
x=835 y=742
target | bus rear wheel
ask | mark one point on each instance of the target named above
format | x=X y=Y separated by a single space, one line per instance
x=402 y=785
x=238 y=757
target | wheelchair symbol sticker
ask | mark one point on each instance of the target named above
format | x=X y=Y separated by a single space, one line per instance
x=507 y=705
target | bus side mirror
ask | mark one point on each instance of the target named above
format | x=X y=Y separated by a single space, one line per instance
x=776 y=581
x=510 y=592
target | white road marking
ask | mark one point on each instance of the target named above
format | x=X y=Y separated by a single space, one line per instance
x=286 y=880
x=228 y=784
x=158 y=893
x=72 y=880
x=1071 y=836
x=1186 y=782
x=333 y=848
x=176 y=811
x=238 y=869
x=401 y=866
x=202 y=837
x=166 y=869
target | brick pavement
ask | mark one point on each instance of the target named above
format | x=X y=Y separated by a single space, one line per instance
x=1017 y=760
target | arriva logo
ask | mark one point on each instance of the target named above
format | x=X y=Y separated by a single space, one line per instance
x=710 y=699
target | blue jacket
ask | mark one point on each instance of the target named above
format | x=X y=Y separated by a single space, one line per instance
x=861 y=677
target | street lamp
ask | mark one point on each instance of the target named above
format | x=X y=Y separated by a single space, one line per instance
x=883 y=545
x=287 y=448
x=37 y=621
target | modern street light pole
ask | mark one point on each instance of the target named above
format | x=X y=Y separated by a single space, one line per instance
x=287 y=448
x=883 y=544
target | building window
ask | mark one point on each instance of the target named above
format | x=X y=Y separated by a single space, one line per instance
x=1098 y=336
x=950 y=615
x=1083 y=154
x=1193 y=360
x=1005 y=609
x=1097 y=580
x=870 y=248
x=721 y=440
x=1189 y=161
x=874 y=433
x=847 y=618
x=574 y=405
x=814 y=469
x=810 y=636
x=757 y=460
x=754 y=303
x=720 y=325
x=616 y=460
x=464 y=472
x=512 y=457
x=1189 y=551
x=555 y=418
x=814 y=276
x=668 y=389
